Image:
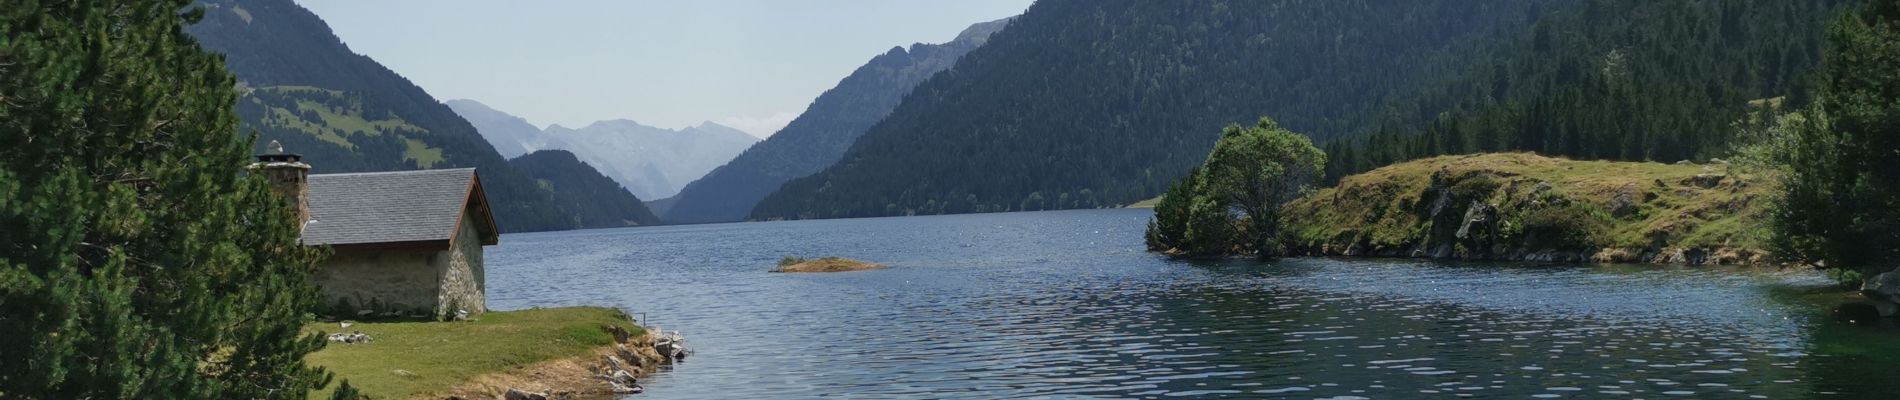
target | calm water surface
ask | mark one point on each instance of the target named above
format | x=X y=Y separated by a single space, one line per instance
x=1066 y=304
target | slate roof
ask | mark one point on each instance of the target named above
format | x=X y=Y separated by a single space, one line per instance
x=422 y=208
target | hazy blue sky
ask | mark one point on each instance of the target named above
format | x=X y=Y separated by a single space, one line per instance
x=752 y=64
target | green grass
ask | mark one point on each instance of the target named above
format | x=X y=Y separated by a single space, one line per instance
x=349 y=118
x=1149 y=203
x=434 y=357
x=421 y=153
x=1386 y=208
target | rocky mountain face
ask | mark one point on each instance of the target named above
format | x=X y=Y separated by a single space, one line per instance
x=512 y=136
x=651 y=162
x=817 y=138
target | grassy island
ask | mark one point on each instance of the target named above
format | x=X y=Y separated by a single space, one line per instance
x=827 y=264
x=1521 y=206
x=434 y=359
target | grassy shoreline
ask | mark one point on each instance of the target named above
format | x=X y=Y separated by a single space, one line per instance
x=430 y=359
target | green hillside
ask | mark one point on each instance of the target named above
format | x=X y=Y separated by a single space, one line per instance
x=346 y=113
x=335 y=118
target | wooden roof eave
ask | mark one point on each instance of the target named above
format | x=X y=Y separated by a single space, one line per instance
x=477 y=198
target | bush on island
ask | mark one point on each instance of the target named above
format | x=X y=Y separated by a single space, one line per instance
x=1230 y=205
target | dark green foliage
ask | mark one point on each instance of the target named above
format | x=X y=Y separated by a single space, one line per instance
x=581 y=191
x=1841 y=201
x=1121 y=97
x=1561 y=225
x=1609 y=79
x=137 y=261
x=1212 y=228
x=1113 y=97
x=1231 y=204
x=1168 y=229
x=276 y=43
x=822 y=133
x=345 y=392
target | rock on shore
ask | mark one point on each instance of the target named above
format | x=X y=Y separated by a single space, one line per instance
x=827 y=264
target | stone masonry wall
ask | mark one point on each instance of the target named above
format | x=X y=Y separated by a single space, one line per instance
x=406 y=281
x=462 y=276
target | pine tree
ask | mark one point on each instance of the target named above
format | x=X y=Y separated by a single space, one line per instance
x=1841 y=200
x=137 y=260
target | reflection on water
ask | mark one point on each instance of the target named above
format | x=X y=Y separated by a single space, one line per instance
x=1066 y=304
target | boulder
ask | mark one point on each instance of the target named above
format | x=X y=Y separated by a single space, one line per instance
x=1623 y=204
x=1704 y=180
x=613 y=365
x=1540 y=189
x=620 y=334
x=518 y=394
x=1883 y=287
x=628 y=355
x=1886 y=309
x=627 y=389
x=623 y=377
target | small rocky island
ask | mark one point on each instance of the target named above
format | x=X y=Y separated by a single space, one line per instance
x=827 y=264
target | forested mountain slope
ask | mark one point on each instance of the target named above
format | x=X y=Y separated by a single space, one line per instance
x=580 y=190
x=346 y=113
x=1084 y=103
x=1616 y=79
x=827 y=128
x=1120 y=98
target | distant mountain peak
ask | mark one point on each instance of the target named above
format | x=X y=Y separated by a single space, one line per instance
x=648 y=161
x=980 y=33
x=617 y=124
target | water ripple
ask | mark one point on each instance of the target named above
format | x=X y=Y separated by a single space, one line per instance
x=1064 y=304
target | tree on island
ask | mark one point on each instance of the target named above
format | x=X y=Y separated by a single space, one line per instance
x=1840 y=206
x=1231 y=203
x=137 y=261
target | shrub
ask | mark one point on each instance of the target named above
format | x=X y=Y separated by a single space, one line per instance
x=1232 y=202
x=1563 y=226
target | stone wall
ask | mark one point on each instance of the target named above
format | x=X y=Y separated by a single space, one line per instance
x=427 y=283
x=382 y=280
x=462 y=276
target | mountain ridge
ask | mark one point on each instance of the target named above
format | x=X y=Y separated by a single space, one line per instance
x=1097 y=103
x=650 y=162
x=822 y=133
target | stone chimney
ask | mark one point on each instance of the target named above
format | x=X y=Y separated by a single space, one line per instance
x=289 y=176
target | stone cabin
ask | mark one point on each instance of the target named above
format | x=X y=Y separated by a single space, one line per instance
x=405 y=243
